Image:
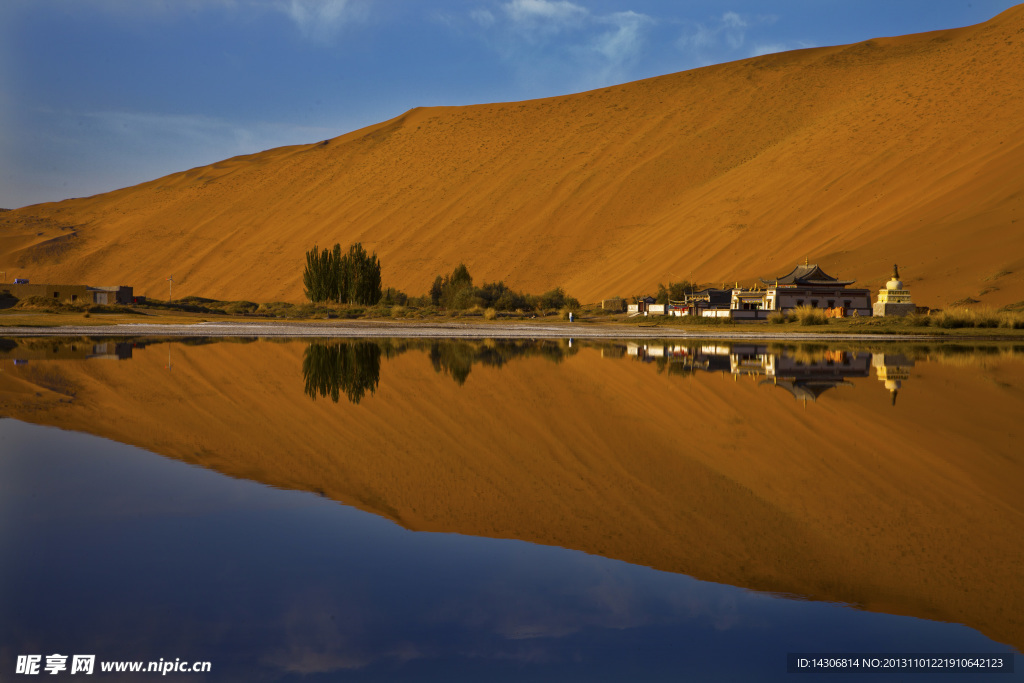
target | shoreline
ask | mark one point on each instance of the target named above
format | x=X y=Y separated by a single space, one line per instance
x=451 y=330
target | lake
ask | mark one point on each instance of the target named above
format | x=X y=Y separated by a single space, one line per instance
x=510 y=510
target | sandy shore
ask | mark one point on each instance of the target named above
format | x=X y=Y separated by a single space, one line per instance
x=454 y=330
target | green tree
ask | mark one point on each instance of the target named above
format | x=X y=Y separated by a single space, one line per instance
x=676 y=291
x=662 y=296
x=353 y=277
x=436 y=290
x=457 y=289
x=362 y=283
x=318 y=274
x=461 y=277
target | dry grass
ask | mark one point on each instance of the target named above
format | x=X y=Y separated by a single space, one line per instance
x=807 y=315
x=976 y=317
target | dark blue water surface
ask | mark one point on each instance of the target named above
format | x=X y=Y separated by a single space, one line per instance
x=110 y=550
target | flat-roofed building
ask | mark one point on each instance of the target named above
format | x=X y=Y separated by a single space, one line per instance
x=71 y=293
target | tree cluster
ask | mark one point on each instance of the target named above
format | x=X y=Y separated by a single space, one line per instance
x=352 y=277
x=676 y=291
x=456 y=292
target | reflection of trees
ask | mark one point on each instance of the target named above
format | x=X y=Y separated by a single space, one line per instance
x=456 y=358
x=349 y=367
x=353 y=367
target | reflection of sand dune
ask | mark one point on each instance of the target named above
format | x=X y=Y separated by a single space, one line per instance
x=907 y=149
x=914 y=510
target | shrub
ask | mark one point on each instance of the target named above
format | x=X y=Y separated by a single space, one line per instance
x=808 y=315
x=954 y=318
x=918 y=320
x=241 y=308
x=1013 y=320
x=554 y=298
x=490 y=314
x=394 y=297
x=510 y=301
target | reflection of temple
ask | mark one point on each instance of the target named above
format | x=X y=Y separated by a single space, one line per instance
x=57 y=349
x=806 y=375
x=649 y=353
x=892 y=369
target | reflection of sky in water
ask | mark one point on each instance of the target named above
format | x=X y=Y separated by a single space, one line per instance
x=110 y=550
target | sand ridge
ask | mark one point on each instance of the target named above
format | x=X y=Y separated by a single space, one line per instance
x=907 y=150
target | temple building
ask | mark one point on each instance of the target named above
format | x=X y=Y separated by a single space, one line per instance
x=894 y=299
x=806 y=285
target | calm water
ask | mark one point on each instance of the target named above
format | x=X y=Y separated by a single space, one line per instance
x=147 y=510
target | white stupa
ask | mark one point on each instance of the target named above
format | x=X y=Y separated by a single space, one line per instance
x=894 y=299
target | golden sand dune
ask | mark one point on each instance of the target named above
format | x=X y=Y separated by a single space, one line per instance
x=914 y=510
x=907 y=150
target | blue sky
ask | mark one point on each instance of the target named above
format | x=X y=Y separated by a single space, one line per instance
x=101 y=94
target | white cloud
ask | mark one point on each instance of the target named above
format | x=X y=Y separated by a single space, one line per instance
x=550 y=12
x=483 y=17
x=733 y=20
x=557 y=46
x=728 y=36
x=320 y=20
x=730 y=28
x=625 y=40
x=701 y=38
x=734 y=29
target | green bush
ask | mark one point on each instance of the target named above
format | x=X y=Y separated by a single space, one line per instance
x=241 y=308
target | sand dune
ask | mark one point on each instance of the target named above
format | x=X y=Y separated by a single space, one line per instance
x=913 y=510
x=907 y=150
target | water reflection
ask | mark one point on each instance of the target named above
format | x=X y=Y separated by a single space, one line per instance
x=691 y=462
x=124 y=555
x=457 y=358
x=892 y=370
x=24 y=350
x=333 y=368
x=350 y=368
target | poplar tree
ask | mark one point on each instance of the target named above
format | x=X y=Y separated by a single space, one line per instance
x=353 y=277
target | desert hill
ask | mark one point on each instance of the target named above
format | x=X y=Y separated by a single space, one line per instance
x=907 y=150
